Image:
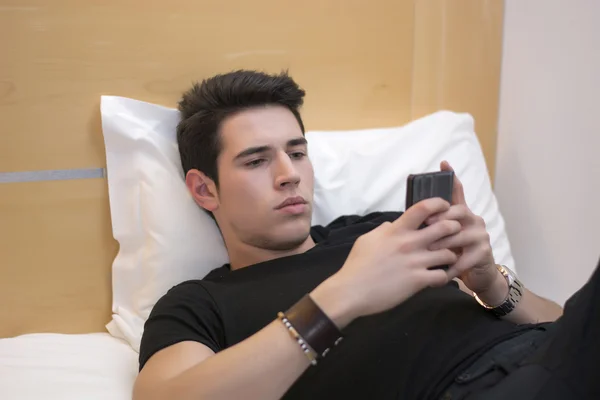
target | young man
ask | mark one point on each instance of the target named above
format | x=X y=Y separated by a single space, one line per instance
x=253 y=328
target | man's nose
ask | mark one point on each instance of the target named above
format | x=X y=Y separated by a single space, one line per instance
x=286 y=173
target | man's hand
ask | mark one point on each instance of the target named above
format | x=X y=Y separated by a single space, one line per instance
x=475 y=265
x=392 y=262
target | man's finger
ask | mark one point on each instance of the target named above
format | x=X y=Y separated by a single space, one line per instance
x=435 y=277
x=416 y=215
x=457 y=212
x=468 y=260
x=462 y=239
x=429 y=259
x=458 y=194
x=453 y=273
x=437 y=232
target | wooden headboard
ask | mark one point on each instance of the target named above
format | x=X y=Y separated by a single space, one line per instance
x=363 y=64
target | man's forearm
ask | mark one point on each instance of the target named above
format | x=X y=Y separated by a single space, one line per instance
x=534 y=309
x=264 y=366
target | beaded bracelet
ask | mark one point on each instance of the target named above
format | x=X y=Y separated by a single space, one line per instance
x=308 y=351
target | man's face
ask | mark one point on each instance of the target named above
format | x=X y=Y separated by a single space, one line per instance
x=263 y=166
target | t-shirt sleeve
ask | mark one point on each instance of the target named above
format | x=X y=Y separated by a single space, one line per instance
x=187 y=312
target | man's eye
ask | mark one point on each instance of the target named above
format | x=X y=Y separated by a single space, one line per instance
x=255 y=163
x=297 y=155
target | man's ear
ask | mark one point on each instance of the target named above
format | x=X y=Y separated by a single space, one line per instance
x=203 y=190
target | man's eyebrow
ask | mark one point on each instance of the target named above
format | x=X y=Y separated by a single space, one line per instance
x=297 y=142
x=261 y=149
x=252 y=150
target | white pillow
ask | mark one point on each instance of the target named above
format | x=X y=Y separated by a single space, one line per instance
x=165 y=238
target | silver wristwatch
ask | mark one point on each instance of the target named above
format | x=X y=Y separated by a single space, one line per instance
x=515 y=293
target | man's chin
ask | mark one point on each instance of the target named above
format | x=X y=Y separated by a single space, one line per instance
x=289 y=237
x=286 y=244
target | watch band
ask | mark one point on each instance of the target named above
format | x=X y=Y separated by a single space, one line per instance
x=313 y=326
x=515 y=293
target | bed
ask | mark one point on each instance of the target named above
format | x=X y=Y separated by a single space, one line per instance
x=62 y=366
x=363 y=64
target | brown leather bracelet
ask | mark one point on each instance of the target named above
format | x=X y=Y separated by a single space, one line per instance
x=313 y=325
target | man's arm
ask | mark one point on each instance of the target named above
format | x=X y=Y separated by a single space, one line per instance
x=264 y=366
x=477 y=268
x=531 y=309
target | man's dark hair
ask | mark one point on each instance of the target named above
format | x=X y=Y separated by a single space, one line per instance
x=206 y=105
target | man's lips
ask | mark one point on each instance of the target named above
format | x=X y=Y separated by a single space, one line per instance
x=291 y=201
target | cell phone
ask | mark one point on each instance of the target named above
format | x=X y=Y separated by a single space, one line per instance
x=424 y=186
x=431 y=184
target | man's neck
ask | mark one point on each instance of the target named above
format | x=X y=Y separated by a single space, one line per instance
x=244 y=255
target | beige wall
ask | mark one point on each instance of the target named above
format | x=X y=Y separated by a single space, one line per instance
x=548 y=160
x=363 y=64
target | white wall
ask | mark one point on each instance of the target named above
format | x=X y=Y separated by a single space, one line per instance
x=548 y=165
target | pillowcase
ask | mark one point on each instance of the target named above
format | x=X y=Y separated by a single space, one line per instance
x=165 y=238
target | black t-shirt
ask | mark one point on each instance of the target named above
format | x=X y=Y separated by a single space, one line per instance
x=412 y=351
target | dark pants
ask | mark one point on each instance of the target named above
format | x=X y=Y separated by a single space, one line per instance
x=559 y=360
